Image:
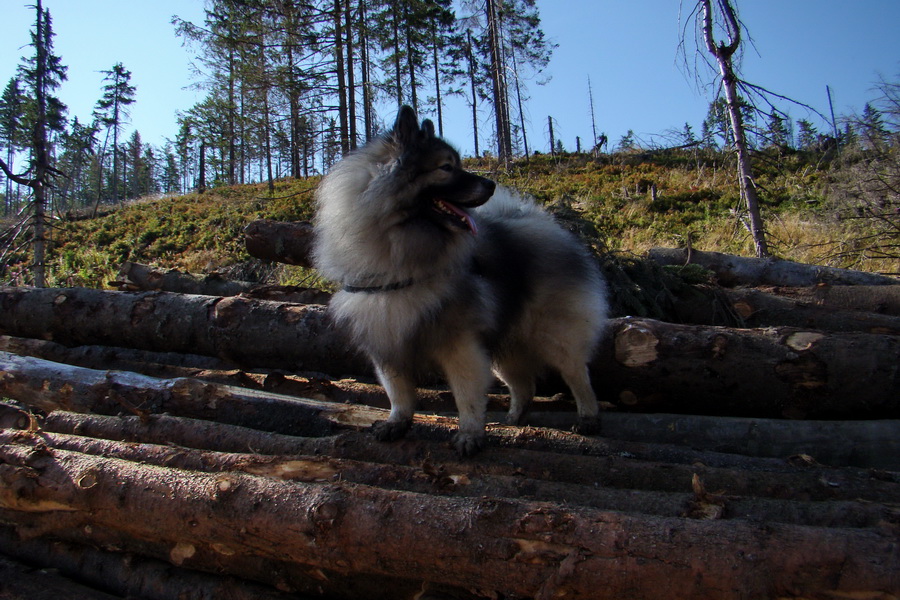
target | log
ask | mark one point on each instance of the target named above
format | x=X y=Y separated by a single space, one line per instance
x=50 y=386
x=643 y=365
x=241 y=330
x=881 y=299
x=773 y=372
x=283 y=242
x=500 y=546
x=428 y=478
x=733 y=270
x=535 y=454
x=21 y=582
x=134 y=276
x=117 y=573
x=760 y=309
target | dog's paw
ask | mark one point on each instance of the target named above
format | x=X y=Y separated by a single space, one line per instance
x=388 y=431
x=467 y=444
x=587 y=426
x=516 y=418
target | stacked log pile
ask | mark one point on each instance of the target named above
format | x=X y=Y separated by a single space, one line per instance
x=157 y=444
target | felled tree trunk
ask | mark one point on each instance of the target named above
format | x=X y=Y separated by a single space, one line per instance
x=50 y=386
x=733 y=270
x=642 y=364
x=499 y=545
x=138 y=277
x=134 y=277
x=776 y=372
x=284 y=242
x=242 y=330
x=761 y=309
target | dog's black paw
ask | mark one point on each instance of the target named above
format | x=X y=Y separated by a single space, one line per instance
x=388 y=431
x=587 y=426
x=468 y=444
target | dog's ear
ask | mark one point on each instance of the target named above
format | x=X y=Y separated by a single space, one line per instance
x=428 y=128
x=406 y=128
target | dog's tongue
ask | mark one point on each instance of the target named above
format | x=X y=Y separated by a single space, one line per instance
x=463 y=215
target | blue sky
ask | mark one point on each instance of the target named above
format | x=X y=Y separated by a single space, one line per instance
x=628 y=49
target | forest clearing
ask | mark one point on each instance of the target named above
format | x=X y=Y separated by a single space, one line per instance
x=182 y=417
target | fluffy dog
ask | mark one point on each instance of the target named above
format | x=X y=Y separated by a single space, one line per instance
x=434 y=275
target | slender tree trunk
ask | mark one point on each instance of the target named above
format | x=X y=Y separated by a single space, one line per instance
x=397 y=79
x=351 y=85
x=723 y=53
x=41 y=153
x=471 y=59
x=498 y=78
x=364 y=71
x=519 y=104
x=201 y=183
x=231 y=118
x=411 y=59
x=341 y=77
x=437 y=79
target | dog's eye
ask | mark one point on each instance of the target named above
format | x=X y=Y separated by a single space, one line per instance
x=448 y=167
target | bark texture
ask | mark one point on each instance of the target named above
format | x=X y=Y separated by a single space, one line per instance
x=241 y=330
x=284 y=242
x=496 y=545
x=733 y=270
x=642 y=365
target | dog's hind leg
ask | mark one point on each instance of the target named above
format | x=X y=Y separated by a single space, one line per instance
x=401 y=391
x=578 y=379
x=518 y=376
x=467 y=367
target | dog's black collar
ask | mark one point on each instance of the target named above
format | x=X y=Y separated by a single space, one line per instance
x=397 y=285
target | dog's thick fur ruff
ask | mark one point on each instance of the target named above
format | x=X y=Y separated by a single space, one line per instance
x=433 y=279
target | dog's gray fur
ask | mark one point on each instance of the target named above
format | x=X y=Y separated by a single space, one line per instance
x=395 y=226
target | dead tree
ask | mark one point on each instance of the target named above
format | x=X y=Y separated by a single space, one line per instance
x=723 y=53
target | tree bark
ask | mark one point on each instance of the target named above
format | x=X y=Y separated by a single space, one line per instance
x=760 y=309
x=501 y=546
x=289 y=243
x=241 y=330
x=738 y=270
x=135 y=276
x=642 y=365
x=774 y=372
x=50 y=386
x=723 y=53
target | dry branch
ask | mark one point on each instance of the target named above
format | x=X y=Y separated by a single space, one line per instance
x=733 y=270
x=289 y=243
x=500 y=545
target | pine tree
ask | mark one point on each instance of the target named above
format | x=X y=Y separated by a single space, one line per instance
x=113 y=112
x=40 y=76
x=807 y=136
x=12 y=134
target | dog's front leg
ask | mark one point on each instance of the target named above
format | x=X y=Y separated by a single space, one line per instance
x=467 y=367
x=401 y=391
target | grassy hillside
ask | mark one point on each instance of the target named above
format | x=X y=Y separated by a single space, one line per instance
x=609 y=201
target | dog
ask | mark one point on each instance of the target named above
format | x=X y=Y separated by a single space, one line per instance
x=440 y=269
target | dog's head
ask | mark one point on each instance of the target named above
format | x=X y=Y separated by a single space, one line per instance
x=443 y=191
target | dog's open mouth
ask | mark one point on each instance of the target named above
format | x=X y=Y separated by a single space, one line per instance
x=454 y=214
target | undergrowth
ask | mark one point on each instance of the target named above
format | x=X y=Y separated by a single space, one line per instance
x=621 y=205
